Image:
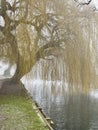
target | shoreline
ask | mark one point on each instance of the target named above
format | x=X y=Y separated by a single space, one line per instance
x=18 y=113
x=17 y=108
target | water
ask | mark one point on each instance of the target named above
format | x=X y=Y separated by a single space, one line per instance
x=68 y=111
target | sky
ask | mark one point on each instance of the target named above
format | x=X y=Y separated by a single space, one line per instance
x=96 y=3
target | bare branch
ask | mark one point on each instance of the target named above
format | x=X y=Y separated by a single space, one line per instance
x=83 y=3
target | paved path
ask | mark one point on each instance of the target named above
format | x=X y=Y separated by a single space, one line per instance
x=8 y=87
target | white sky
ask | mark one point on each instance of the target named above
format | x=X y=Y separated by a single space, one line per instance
x=96 y=3
x=93 y=1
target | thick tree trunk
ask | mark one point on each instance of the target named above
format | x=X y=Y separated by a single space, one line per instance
x=12 y=86
x=16 y=78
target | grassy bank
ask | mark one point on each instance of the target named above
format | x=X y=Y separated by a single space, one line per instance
x=17 y=113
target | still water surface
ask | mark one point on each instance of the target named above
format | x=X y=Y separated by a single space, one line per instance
x=68 y=111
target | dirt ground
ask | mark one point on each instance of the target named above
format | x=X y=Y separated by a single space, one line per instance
x=8 y=87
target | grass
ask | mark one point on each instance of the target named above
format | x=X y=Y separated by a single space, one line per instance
x=17 y=113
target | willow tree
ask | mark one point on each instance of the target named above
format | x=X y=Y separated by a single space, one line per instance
x=35 y=29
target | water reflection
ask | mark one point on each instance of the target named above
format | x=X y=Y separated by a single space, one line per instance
x=68 y=111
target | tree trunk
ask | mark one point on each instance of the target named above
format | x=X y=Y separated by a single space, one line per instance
x=12 y=85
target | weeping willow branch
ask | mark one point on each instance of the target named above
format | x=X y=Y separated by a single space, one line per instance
x=35 y=30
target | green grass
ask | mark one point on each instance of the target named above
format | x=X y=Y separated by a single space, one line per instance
x=17 y=113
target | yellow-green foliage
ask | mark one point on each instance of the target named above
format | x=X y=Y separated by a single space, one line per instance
x=65 y=23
